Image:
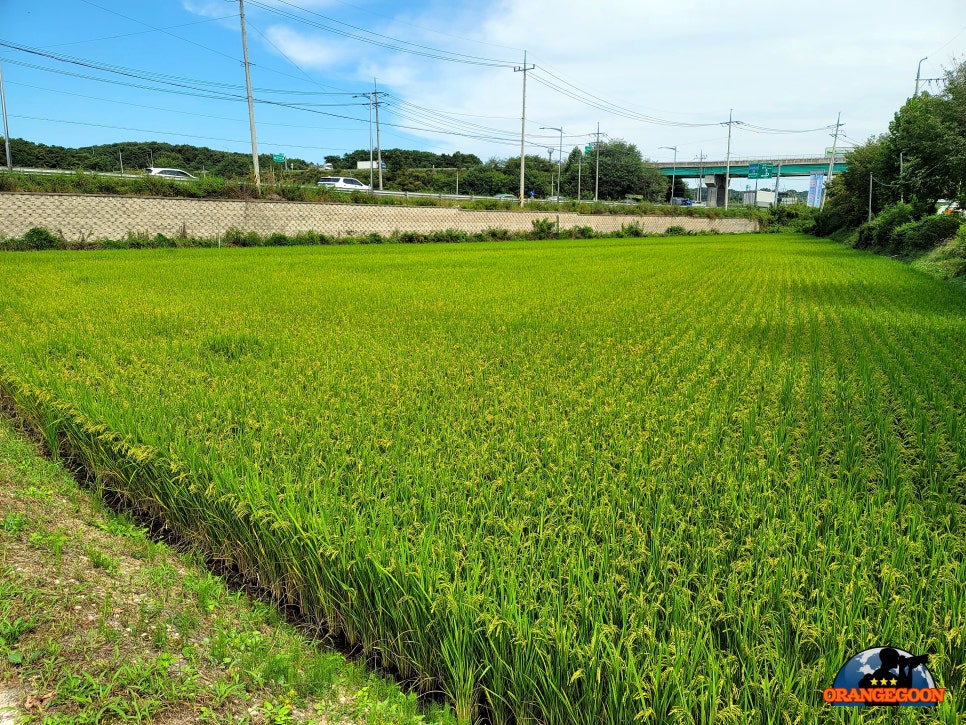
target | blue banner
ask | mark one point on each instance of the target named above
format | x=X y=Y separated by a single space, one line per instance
x=816 y=187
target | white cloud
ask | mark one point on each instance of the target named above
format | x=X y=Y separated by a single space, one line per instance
x=779 y=66
x=776 y=66
x=313 y=51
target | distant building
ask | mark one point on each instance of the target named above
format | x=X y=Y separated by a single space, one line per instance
x=758 y=198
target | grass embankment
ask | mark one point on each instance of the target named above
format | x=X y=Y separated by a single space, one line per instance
x=579 y=482
x=215 y=187
x=101 y=623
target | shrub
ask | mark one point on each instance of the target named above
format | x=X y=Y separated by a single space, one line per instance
x=676 y=231
x=38 y=238
x=448 y=235
x=631 y=230
x=313 y=237
x=408 y=237
x=887 y=221
x=582 y=232
x=925 y=234
x=278 y=240
x=785 y=217
x=496 y=233
x=543 y=229
x=865 y=236
x=235 y=237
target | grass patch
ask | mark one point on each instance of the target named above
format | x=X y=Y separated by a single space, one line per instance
x=92 y=633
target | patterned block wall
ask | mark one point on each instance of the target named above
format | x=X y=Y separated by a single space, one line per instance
x=88 y=216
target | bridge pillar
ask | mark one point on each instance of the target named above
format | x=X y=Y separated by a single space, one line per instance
x=717 y=193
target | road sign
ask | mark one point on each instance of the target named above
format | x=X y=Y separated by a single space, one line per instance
x=278 y=158
x=588 y=149
x=761 y=171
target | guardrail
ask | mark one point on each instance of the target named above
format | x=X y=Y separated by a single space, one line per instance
x=385 y=192
x=28 y=170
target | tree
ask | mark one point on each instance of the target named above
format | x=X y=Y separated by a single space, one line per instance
x=920 y=160
x=622 y=172
x=933 y=149
x=486 y=181
x=847 y=196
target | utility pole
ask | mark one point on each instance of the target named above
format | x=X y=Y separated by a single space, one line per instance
x=701 y=158
x=375 y=92
x=919 y=68
x=369 y=96
x=831 y=163
x=251 y=105
x=523 y=125
x=6 y=130
x=121 y=160
x=778 y=179
x=674 y=170
x=597 y=168
x=728 y=161
x=870 y=196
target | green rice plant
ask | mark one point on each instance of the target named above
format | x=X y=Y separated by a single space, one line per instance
x=569 y=482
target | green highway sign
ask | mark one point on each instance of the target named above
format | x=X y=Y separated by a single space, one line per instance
x=588 y=149
x=761 y=171
x=278 y=158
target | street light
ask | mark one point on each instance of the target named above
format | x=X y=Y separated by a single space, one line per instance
x=918 y=68
x=559 y=155
x=674 y=169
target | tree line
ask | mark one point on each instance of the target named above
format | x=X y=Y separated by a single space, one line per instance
x=623 y=171
x=897 y=178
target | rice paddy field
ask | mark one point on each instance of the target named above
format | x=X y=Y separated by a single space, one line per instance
x=675 y=480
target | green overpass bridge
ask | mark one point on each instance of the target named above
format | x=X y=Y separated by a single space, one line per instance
x=798 y=166
x=714 y=172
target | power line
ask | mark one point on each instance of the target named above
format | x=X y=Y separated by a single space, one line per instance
x=169 y=133
x=187 y=40
x=140 y=32
x=169 y=110
x=289 y=59
x=160 y=30
x=183 y=89
x=594 y=101
x=378 y=39
x=184 y=85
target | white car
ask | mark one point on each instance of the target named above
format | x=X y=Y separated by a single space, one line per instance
x=170 y=173
x=343 y=183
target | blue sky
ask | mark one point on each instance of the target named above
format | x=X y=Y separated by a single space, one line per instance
x=653 y=73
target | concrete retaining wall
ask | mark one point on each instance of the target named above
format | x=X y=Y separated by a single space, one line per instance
x=89 y=216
